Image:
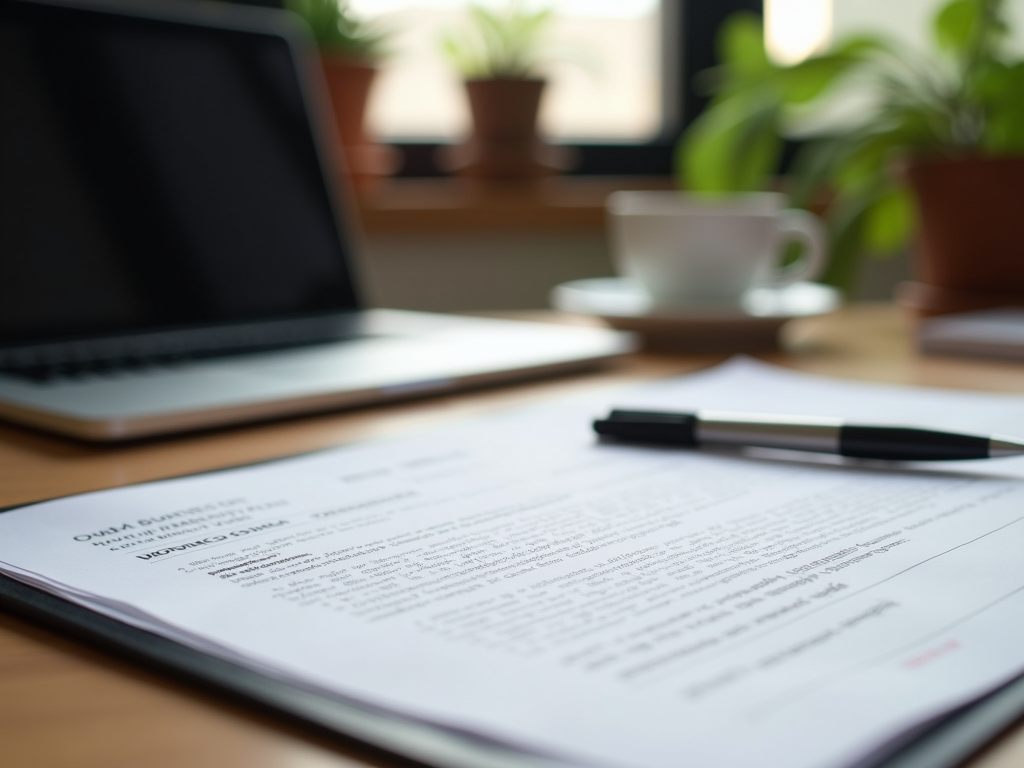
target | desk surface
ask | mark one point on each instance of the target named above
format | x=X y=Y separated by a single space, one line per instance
x=65 y=704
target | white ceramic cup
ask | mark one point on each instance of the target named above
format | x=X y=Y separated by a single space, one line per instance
x=684 y=249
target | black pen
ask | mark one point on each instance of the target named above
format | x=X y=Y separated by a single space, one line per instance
x=803 y=433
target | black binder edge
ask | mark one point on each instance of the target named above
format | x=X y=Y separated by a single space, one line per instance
x=417 y=743
x=945 y=744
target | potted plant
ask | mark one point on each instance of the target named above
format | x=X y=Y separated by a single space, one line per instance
x=500 y=55
x=350 y=51
x=938 y=146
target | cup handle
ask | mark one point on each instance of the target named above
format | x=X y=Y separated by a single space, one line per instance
x=802 y=227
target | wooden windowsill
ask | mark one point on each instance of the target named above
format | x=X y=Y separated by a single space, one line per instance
x=453 y=205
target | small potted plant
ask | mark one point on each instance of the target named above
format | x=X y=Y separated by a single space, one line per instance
x=350 y=52
x=500 y=55
x=938 y=147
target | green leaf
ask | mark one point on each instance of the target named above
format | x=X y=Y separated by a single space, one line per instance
x=956 y=25
x=740 y=46
x=889 y=221
x=757 y=150
x=971 y=30
x=809 y=79
x=862 y=167
x=703 y=156
x=1001 y=90
x=860 y=46
x=731 y=147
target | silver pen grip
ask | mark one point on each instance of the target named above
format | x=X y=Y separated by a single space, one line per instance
x=818 y=434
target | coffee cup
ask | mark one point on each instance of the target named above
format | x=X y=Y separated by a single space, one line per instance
x=685 y=249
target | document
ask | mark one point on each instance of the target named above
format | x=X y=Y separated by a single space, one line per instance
x=599 y=604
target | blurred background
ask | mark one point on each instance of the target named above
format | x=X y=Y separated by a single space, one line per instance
x=623 y=82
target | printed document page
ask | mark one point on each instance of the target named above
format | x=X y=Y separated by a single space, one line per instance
x=602 y=604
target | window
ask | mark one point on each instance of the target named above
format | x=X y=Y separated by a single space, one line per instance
x=686 y=31
x=604 y=76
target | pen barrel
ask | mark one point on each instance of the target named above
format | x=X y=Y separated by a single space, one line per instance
x=811 y=434
x=907 y=444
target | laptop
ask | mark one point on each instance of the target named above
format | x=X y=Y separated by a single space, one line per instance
x=175 y=254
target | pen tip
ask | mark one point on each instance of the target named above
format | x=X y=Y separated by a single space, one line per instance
x=999 y=447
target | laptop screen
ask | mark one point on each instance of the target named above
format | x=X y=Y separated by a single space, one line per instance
x=156 y=175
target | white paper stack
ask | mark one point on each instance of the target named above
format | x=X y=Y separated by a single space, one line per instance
x=513 y=580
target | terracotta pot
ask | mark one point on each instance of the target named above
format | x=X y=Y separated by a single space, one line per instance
x=349 y=82
x=505 y=144
x=970 y=248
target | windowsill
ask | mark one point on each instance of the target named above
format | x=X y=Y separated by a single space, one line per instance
x=450 y=205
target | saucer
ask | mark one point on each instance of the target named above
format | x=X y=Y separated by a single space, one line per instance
x=751 y=323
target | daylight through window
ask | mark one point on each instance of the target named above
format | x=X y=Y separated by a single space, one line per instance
x=605 y=78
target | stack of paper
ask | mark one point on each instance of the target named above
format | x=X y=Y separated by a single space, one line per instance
x=606 y=605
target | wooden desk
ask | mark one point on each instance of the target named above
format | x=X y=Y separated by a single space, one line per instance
x=63 y=704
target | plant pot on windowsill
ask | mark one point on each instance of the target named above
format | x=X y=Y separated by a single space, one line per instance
x=349 y=81
x=970 y=244
x=504 y=144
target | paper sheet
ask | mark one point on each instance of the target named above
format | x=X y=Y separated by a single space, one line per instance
x=604 y=604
